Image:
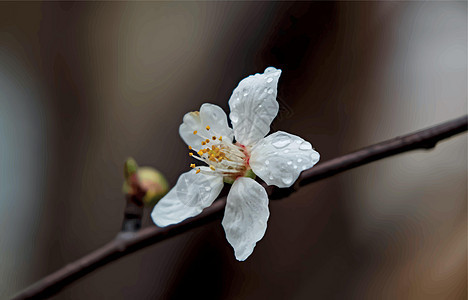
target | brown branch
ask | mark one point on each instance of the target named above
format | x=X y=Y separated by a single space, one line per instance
x=119 y=247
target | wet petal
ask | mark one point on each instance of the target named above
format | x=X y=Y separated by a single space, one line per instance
x=192 y=193
x=253 y=106
x=281 y=157
x=246 y=215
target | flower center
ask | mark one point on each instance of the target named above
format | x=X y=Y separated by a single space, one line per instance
x=223 y=157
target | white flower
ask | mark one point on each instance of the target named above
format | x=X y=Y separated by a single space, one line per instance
x=278 y=159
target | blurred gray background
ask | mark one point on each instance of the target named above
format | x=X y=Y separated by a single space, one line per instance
x=85 y=85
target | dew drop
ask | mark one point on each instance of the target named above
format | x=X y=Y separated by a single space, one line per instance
x=286 y=151
x=287 y=178
x=267 y=162
x=270 y=91
x=234 y=117
x=271 y=177
x=299 y=160
x=289 y=162
x=304 y=167
x=269 y=79
x=270 y=70
x=207 y=188
x=295 y=167
x=246 y=94
x=305 y=146
x=282 y=142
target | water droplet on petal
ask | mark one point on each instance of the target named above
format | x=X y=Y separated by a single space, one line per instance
x=299 y=160
x=304 y=167
x=287 y=178
x=282 y=142
x=271 y=177
x=270 y=69
x=305 y=146
x=269 y=79
x=289 y=162
x=295 y=167
x=267 y=162
x=270 y=91
x=207 y=188
x=298 y=142
x=286 y=151
x=234 y=117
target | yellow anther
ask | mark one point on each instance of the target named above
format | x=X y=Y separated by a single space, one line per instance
x=214 y=138
x=207 y=127
x=190 y=147
x=192 y=165
x=191 y=154
x=198 y=171
x=212 y=168
x=203 y=143
x=220 y=138
x=200 y=153
x=207 y=141
x=195 y=132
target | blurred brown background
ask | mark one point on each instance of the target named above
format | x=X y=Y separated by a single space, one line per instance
x=84 y=85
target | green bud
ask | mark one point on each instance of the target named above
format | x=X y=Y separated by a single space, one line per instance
x=130 y=168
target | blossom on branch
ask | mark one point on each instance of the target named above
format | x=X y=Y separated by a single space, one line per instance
x=236 y=156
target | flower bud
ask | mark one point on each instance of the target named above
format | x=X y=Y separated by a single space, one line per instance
x=147 y=183
x=154 y=183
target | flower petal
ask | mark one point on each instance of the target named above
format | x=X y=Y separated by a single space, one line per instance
x=246 y=215
x=192 y=193
x=253 y=106
x=280 y=157
x=210 y=115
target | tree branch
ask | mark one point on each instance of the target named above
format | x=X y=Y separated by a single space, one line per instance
x=120 y=247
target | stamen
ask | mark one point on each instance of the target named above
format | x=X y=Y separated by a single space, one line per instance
x=191 y=154
x=192 y=165
x=212 y=168
x=221 y=138
x=207 y=127
x=207 y=141
x=203 y=143
x=190 y=147
x=195 y=132
x=198 y=171
x=214 y=138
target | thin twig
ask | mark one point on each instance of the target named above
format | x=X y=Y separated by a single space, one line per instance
x=117 y=248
